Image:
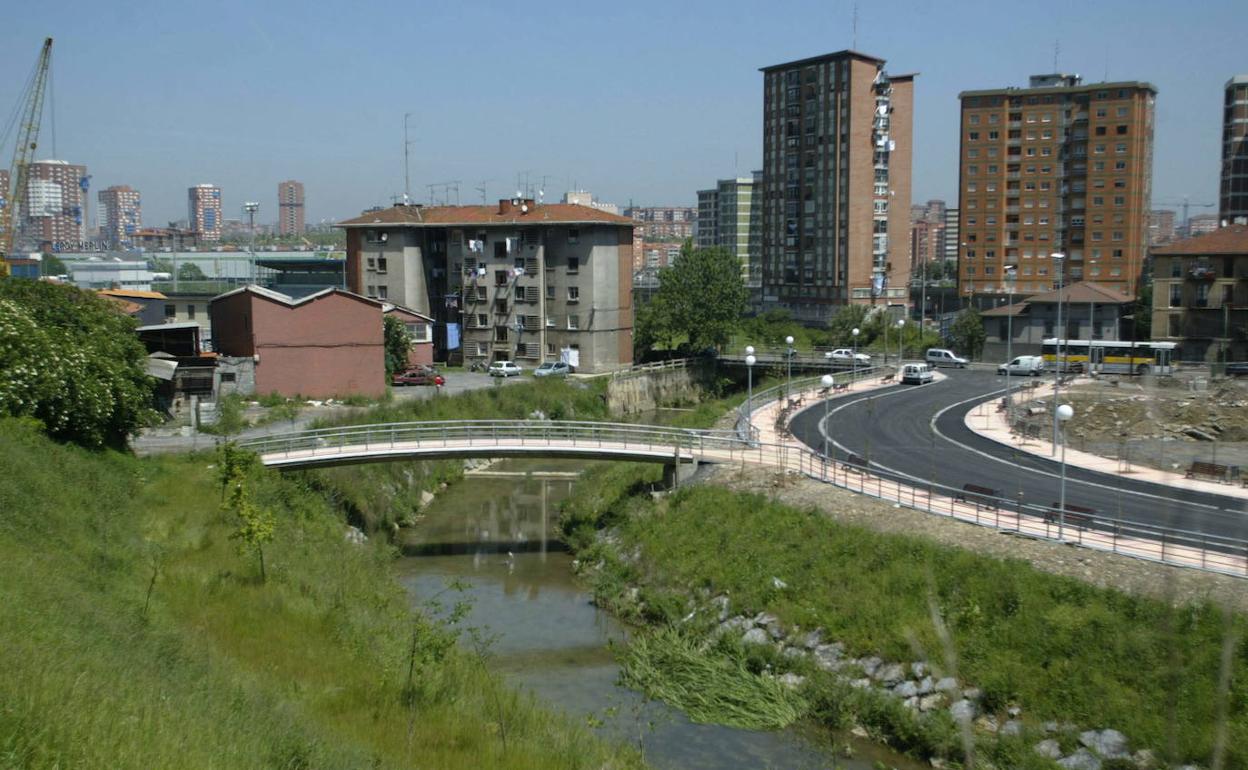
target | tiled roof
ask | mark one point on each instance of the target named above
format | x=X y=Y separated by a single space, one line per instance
x=132 y=293
x=1232 y=239
x=1084 y=291
x=1017 y=309
x=442 y=216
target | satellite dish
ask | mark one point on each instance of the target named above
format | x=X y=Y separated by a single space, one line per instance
x=385 y=237
x=524 y=209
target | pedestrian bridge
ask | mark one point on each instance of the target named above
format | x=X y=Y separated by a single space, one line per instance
x=497 y=438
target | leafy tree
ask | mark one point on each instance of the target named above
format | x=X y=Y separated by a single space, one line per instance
x=967 y=333
x=701 y=299
x=52 y=265
x=851 y=317
x=189 y=271
x=69 y=359
x=397 y=342
x=256 y=524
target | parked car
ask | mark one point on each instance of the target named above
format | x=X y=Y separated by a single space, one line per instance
x=916 y=374
x=1238 y=369
x=552 y=369
x=847 y=356
x=505 y=369
x=1027 y=366
x=943 y=357
x=416 y=375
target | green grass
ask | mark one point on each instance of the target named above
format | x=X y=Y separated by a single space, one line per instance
x=219 y=670
x=1062 y=649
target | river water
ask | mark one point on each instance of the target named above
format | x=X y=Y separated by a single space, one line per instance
x=497 y=536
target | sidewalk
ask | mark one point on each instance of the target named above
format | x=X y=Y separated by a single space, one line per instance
x=992 y=424
x=764 y=417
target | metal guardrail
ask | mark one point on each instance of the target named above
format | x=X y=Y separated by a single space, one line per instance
x=799 y=385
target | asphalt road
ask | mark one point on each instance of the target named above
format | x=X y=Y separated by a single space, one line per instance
x=920 y=432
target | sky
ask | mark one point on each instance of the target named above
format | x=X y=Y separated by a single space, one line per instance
x=644 y=102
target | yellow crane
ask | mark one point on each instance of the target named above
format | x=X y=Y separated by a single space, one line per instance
x=23 y=153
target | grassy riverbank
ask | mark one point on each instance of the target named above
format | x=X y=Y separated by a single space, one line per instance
x=1058 y=648
x=135 y=634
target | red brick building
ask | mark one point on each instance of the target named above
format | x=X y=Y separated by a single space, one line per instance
x=420 y=326
x=325 y=344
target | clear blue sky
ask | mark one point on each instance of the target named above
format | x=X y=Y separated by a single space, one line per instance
x=645 y=101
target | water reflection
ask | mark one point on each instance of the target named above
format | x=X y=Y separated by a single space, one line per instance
x=496 y=535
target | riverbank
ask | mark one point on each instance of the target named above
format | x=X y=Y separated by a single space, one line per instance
x=134 y=633
x=851 y=619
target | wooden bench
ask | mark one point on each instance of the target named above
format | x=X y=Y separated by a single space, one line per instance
x=840 y=386
x=1076 y=515
x=854 y=463
x=1213 y=470
x=886 y=378
x=980 y=496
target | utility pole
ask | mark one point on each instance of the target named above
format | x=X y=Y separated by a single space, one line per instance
x=407 y=144
x=251 y=207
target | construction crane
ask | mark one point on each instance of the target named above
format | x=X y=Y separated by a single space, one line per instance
x=1186 y=204
x=29 y=117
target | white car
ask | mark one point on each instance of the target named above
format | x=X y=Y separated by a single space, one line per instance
x=916 y=374
x=943 y=357
x=504 y=369
x=847 y=356
x=552 y=369
x=1027 y=366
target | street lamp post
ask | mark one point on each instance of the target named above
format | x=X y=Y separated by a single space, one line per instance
x=750 y=360
x=251 y=207
x=788 y=357
x=827 y=398
x=1058 y=259
x=1064 y=413
x=1009 y=336
x=854 y=333
x=901 y=323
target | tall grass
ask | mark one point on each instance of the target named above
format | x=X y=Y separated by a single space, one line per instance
x=1062 y=649
x=213 y=668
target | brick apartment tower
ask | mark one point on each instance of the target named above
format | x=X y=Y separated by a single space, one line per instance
x=4 y=187
x=290 y=208
x=121 y=216
x=1061 y=167
x=836 y=169
x=1233 y=201
x=203 y=214
x=56 y=203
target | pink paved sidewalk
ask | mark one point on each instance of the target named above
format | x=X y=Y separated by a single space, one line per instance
x=992 y=424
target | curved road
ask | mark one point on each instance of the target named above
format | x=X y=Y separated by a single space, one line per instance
x=920 y=432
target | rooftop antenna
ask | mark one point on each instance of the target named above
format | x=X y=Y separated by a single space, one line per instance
x=1057 y=50
x=482 y=189
x=855 y=45
x=407 y=181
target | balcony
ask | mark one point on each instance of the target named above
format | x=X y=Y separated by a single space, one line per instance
x=1201 y=273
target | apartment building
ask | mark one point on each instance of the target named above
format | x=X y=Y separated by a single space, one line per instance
x=121 y=216
x=1233 y=198
x=730 y=216
x=952 y=235
x=1057 y=167
x=522 y=281
x=290 y=208
x=56 y=204
x=836 y=193
x=1161 y=229
x=663 y=223
x=204 y=211
x=1200 y=295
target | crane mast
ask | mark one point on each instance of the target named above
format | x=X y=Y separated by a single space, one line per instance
x=23 y=154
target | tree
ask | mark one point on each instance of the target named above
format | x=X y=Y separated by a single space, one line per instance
x=52 y=265
x=850 y=317
x=701 y=299
x=71 y=360
x=1143 y=313
x=398 y=341
x=189 y=271
x=967 y=333
x=256 y=524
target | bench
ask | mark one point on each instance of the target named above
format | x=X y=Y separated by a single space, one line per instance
x=840 y=386
x=1213 y=470
x=1076 y=515
x=854 y=463
x=980 y=496
x=886 y=378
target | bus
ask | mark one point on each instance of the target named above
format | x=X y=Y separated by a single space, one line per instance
x=1109 y=357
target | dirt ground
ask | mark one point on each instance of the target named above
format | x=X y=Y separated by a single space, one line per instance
x=1134 y=576
x=1164 y=424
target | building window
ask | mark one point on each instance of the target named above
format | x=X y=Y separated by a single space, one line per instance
x=382 y=292
x=550 y=291
x=574 y=294
x=171 y=310
x=574 y=265
x=574 y=322
x=574 y=235
x=190 y=312
x=1176 y=295
x=1176 y=325
x=381 y=264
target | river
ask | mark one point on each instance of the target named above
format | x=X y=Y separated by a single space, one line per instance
x=497 y=536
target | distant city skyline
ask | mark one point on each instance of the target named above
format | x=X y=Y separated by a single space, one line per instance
x=212 y=102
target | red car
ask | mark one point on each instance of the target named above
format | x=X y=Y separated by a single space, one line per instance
x=417 y=375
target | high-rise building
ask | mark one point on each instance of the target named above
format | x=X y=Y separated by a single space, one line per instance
x=1058 y=167
x=56 y=204
x=1233 y=201
x=4 y=187
x=730 y=215
x=290 y=208
x=121 y=216
x=951 y=235
x=1201 y=224
x=836 y=169
x=1160 y=227
x=204 y=211
x=663 y=223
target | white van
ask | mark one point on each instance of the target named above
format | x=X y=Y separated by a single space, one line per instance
x=916 y=374
x=1026 y=366
x=942 y=357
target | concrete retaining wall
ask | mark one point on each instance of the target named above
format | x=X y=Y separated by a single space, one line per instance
x=648 y=391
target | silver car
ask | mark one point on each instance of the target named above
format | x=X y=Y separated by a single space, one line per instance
x=552 y=369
